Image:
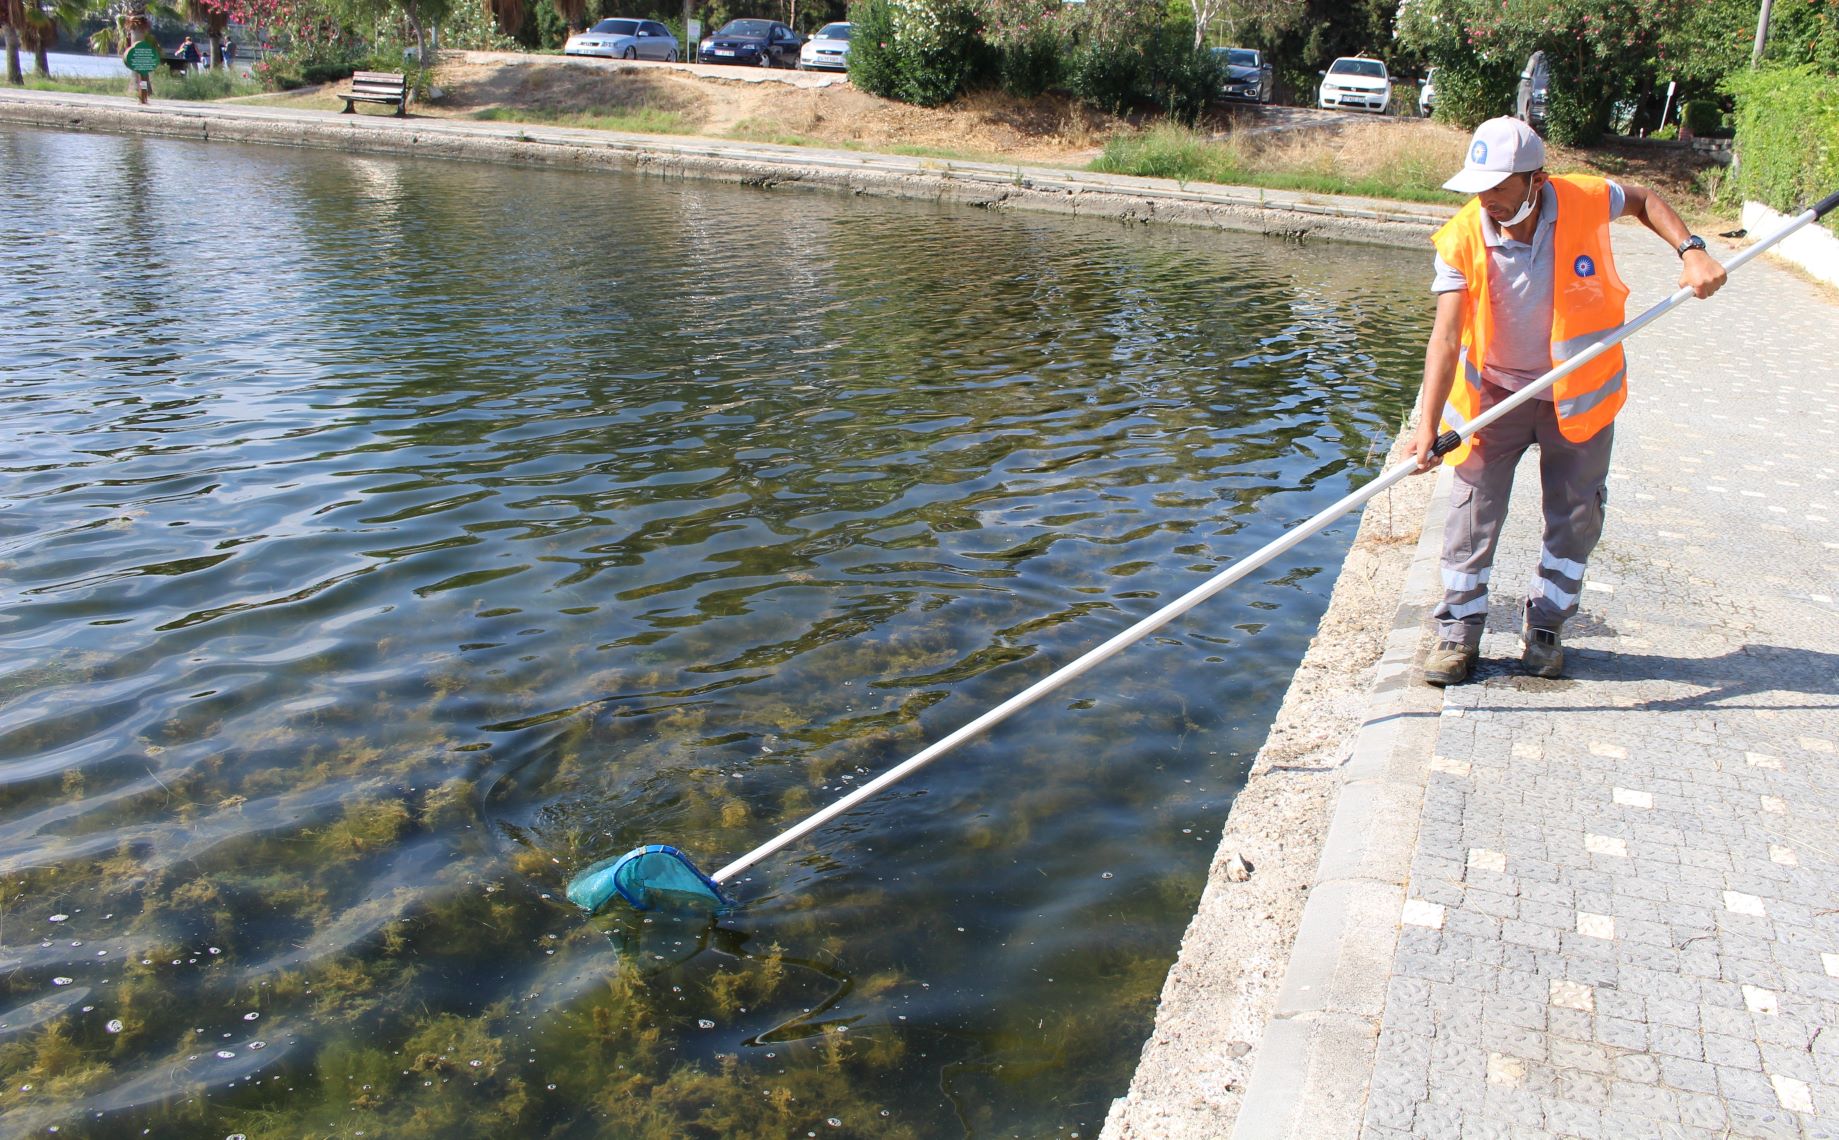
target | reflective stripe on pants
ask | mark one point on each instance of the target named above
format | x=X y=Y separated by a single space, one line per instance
x=1572 y=482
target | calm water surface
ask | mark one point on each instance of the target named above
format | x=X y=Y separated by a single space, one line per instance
x=382 y=541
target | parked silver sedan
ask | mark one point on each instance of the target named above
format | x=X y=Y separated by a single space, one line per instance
x=625 y=39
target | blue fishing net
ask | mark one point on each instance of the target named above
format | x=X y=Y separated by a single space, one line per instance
x=645 y=877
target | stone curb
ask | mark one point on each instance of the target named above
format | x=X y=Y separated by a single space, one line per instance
x=1318 y=1050
x=1285 y=214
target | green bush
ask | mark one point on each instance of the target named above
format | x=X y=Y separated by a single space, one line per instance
x=551 y=27
x=873 y=64
x=1470 y=92
x=1577 y=109
x=1032 y=65
x=310 y=63
x=924 y=51
x=1787 y=137
x=469 y=27
x=1185 y=79
x=1700 y=116
x=1107 y=75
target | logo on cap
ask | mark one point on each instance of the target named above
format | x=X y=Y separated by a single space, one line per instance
x=1478 y=153
x=1583 y=266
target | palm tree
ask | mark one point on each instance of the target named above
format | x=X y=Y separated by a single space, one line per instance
x=14 y=14
x=40 y=23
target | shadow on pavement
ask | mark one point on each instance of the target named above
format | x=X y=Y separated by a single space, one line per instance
x=1748 y=672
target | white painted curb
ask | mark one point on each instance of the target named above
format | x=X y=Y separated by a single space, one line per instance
x=1813 y=248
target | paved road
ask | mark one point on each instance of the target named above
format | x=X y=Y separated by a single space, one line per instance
x=1610 y=906
x=1622 y=915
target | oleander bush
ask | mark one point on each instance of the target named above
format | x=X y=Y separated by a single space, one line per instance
x=917 y=51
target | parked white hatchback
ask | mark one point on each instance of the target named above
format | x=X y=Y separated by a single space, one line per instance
x=828 y=50
x=1356 y=83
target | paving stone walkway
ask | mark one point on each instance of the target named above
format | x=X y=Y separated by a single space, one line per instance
x=1622 y=912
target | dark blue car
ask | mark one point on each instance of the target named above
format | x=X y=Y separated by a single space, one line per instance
x=762 y=43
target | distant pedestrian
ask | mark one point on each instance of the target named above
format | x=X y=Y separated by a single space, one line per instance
x=188 y=51
x=229 y=52
x=1524 y=280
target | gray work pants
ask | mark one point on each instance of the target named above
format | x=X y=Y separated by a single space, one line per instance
x=1572 y=478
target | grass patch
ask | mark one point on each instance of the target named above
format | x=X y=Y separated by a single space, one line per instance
x=37 y=82
x=204 y=85
x=1366 y=161
x=946 y=153
x=1173 y=152
x=635 y=120
x=754 y=130
x=197 y=86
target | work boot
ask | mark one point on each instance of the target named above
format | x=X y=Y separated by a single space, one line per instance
x=1542 y=656
x=1449 y=663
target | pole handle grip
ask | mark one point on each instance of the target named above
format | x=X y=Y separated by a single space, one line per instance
x=1446 y=443
x=1825 y=205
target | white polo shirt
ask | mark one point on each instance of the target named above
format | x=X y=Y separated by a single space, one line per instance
x=1520 y=289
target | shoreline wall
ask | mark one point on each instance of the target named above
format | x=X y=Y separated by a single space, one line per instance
x=1287 y=215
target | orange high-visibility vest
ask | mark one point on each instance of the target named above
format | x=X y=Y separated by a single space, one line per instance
x=1587 y=302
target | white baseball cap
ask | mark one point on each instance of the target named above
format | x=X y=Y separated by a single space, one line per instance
x=1501 y=147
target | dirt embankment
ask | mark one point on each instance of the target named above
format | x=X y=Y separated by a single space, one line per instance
x=744 y=103
x=825 y=110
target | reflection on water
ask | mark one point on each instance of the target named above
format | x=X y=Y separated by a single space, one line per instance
x=383 y=541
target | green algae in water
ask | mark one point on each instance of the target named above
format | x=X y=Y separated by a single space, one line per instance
x=395 y=622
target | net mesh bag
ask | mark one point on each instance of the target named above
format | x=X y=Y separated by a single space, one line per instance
x=645 y=877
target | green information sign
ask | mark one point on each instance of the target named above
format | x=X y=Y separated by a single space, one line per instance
x=143 y=57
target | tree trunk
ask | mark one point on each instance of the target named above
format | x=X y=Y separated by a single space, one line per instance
x=13 y=75
x=41 y=59
x=410 y=10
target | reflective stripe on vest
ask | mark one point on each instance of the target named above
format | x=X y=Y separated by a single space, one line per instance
x=1587 y=303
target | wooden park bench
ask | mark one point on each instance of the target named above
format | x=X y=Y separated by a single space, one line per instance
x=378 y=87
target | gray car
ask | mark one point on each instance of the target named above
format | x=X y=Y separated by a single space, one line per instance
x=1529 y=99
x=1244 y=74
x=625 y=39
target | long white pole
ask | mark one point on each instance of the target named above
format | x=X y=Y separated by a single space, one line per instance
x=1446 y=443
x=1762 y=35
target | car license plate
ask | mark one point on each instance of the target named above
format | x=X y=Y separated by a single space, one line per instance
x=723 y=51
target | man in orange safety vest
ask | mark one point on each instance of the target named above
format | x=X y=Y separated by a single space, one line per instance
x=1524 y=280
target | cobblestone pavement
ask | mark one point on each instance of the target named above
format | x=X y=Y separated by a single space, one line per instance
x=1622 y=915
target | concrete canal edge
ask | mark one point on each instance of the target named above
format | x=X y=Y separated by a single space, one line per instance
x=1294 y=216
x=1269 y=1021
x=1258 y=1023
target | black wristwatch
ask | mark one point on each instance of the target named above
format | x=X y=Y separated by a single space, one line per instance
x=1693 y=241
